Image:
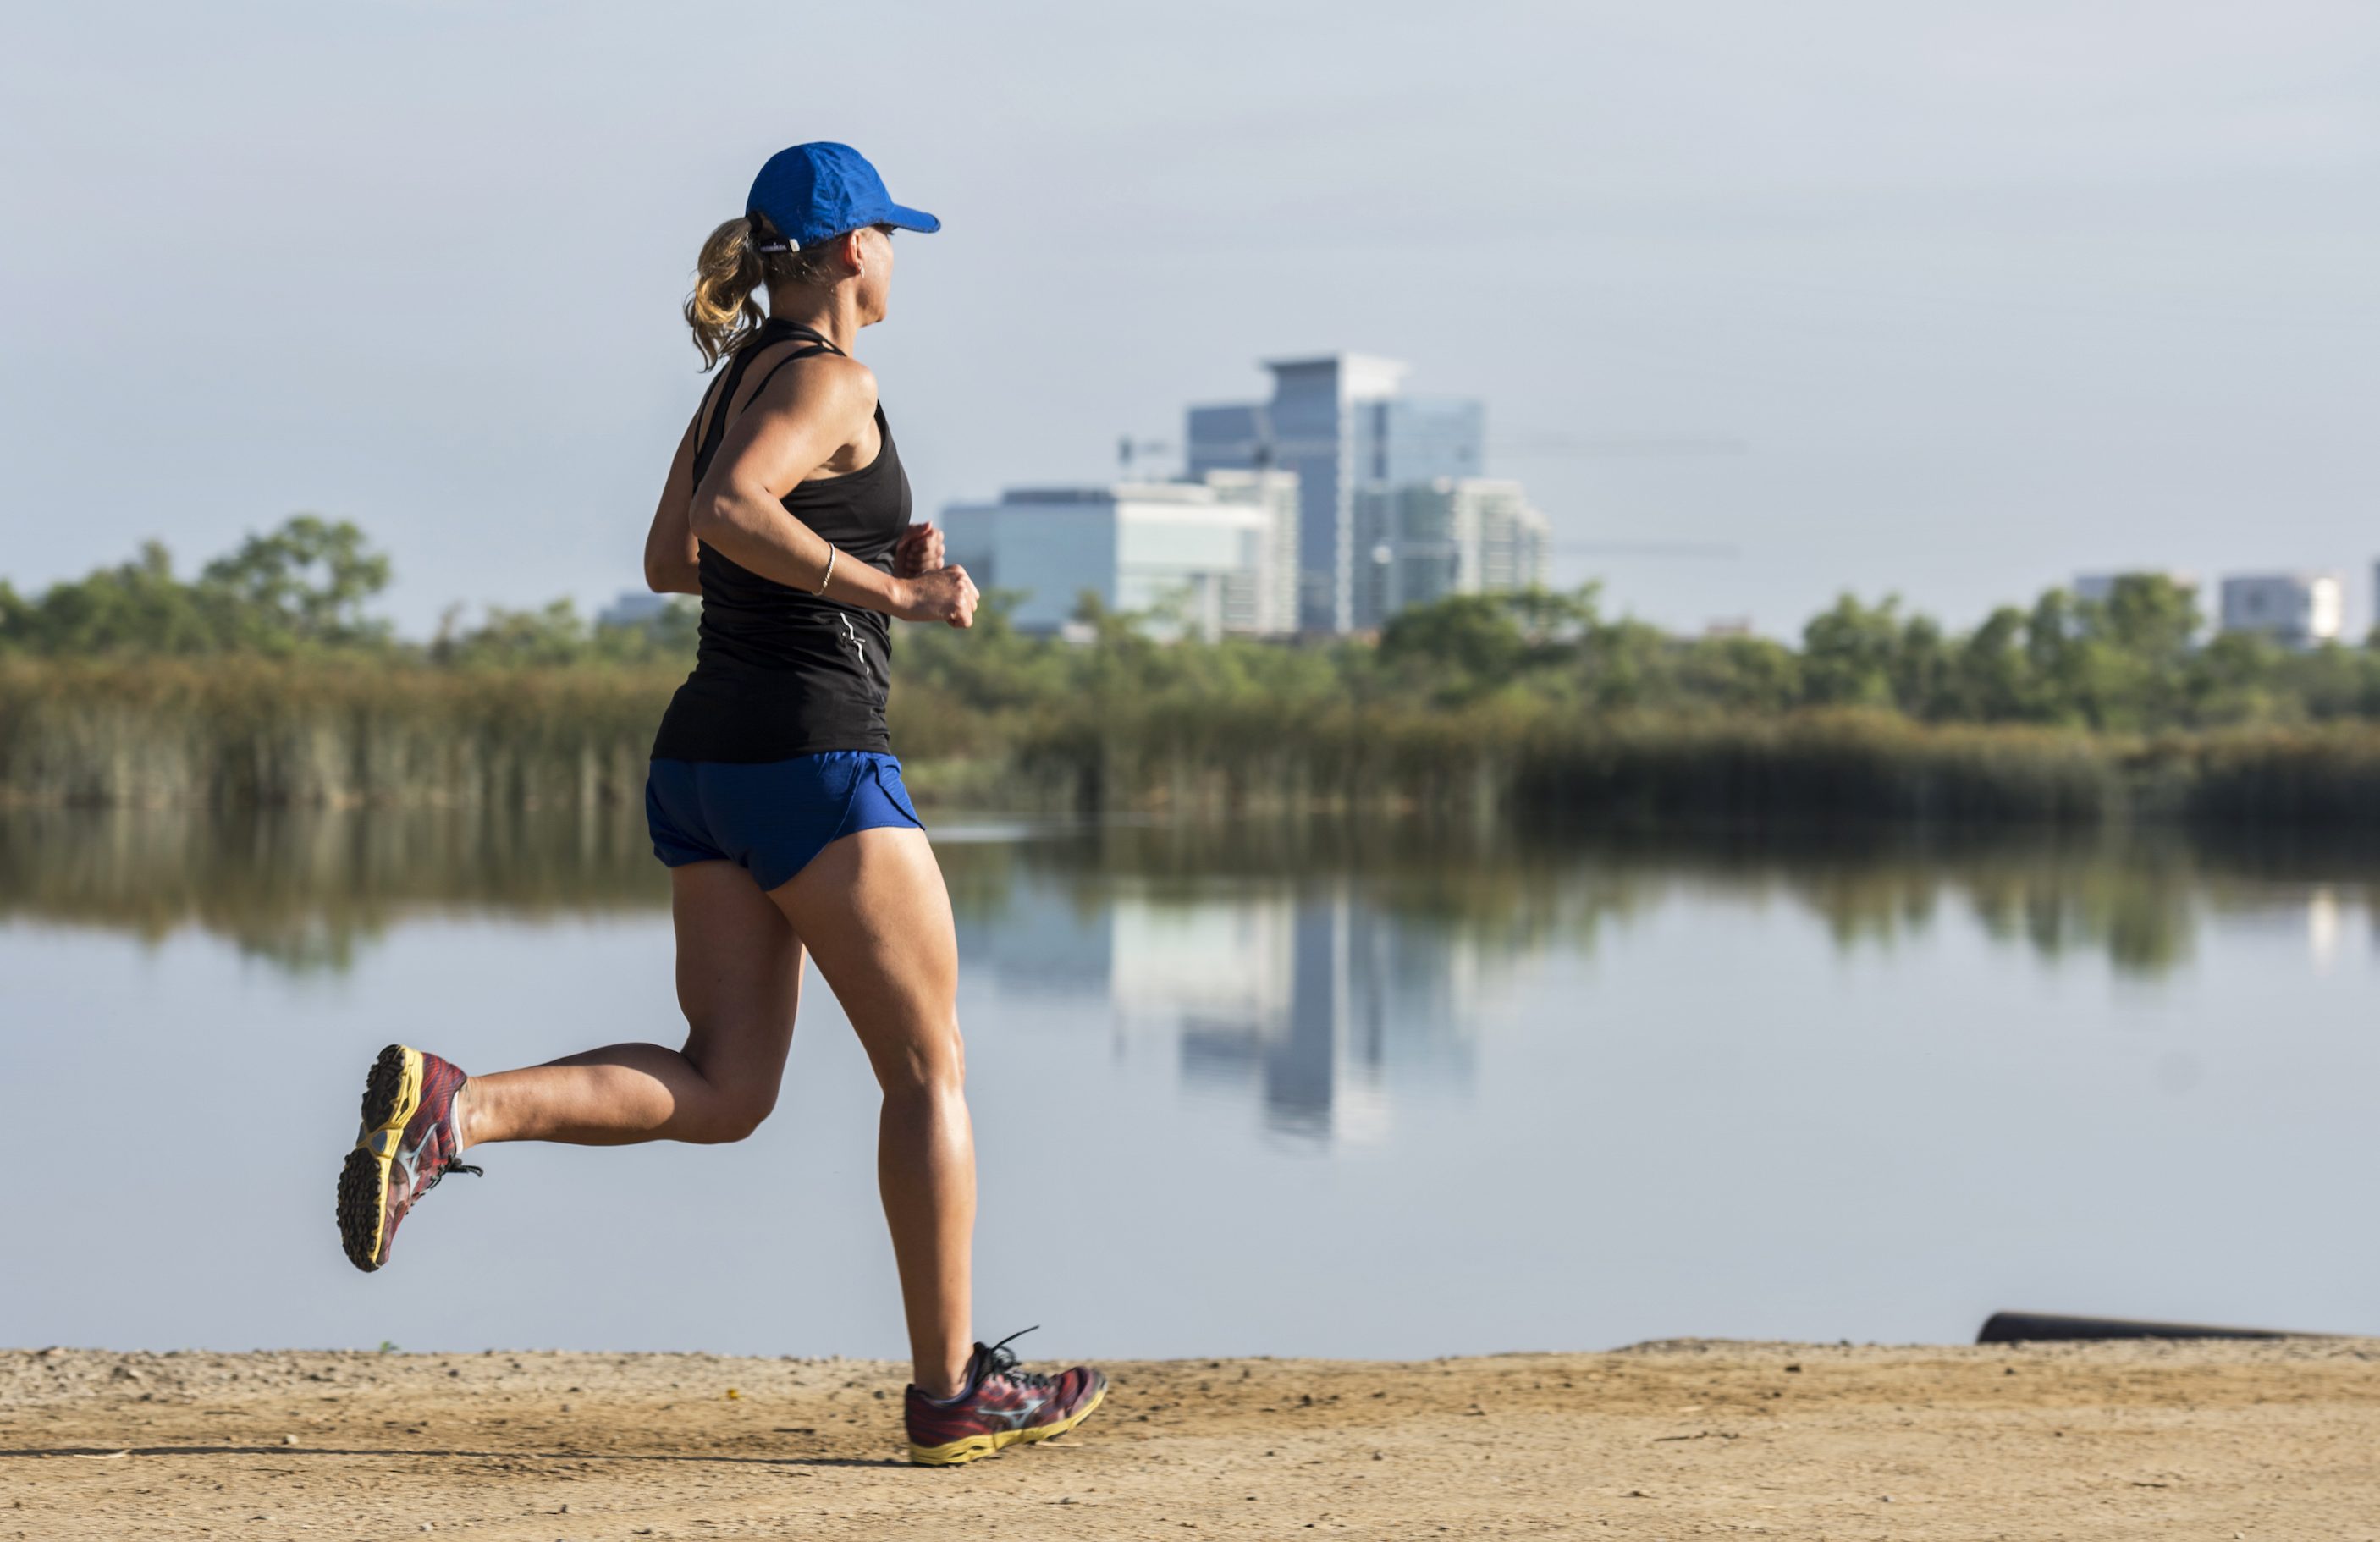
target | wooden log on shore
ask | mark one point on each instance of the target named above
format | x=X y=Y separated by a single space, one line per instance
x=2014 y=1328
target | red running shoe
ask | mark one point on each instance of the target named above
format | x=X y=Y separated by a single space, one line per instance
x=407 y=1142
x=999 y=1406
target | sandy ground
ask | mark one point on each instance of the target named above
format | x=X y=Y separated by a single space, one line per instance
x=2270 y=1440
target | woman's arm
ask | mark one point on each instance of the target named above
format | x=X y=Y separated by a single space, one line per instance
x=670 y=557
x=810 y=412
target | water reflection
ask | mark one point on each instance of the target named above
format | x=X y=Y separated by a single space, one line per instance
x=1305 y=992
x=1789 y=1084
x=1366 y=994
x=305 y=890
x=1316 y=966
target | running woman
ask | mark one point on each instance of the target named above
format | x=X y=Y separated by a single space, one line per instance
x=775 y=801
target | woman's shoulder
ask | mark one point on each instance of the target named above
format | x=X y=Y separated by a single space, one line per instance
x=827 y=381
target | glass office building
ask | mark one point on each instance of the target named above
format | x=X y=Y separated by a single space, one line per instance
x=1342 y=424
x=1456 y=535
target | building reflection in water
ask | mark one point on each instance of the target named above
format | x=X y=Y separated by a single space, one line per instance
x=1324 y=1008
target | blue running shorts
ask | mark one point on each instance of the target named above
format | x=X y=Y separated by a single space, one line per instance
x=770 y=818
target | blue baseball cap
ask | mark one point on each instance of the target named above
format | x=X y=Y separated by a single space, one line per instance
x=813 y=191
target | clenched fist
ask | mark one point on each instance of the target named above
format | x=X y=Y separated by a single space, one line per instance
x=944 y=594
x=918 y=550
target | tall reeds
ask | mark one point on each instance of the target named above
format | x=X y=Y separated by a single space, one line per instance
x=334 y=733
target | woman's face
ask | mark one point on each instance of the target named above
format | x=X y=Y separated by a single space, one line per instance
x=875 y=271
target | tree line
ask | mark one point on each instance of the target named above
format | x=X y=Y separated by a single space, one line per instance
x=303 y=590
x=2139 y=660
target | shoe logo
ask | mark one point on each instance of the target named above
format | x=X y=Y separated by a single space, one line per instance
x=409 y=1158
x=1014 y=1417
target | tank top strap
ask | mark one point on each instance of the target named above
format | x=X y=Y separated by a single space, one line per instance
x=797 y=329
x=793 y=357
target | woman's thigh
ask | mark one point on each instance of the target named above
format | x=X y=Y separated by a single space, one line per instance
x=739 y=976
x=872 y=909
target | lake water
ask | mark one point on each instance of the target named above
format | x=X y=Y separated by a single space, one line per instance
x=1340 y=1089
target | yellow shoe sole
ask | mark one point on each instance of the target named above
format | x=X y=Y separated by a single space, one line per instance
x=976 y=1447
x=392 y=1095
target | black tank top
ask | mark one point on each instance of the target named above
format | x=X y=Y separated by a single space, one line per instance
x=780 y=672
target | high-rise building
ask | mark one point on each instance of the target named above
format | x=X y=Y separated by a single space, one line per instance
x=1212 y=558
x=1340 y=423
x=1421 y=540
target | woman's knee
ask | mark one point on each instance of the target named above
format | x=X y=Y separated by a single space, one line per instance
x=929 y=1064
x=733 y=1114
x=739 y=1092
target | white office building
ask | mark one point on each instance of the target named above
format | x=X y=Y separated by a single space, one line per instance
x=1212 y=558
x=2296 y=610
x=1453 y=535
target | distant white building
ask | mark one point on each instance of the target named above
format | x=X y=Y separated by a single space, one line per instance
x=1453 y=535
x=2297 y=610
x=1212 y=558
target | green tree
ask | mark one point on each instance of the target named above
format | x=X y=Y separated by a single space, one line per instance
x=1990 y=675
x=1748 y=674
x=1921 y=668
x=137 y=607
x=305 y=583
x=1848 y=653
x=2129 y=659
x=1466 y=643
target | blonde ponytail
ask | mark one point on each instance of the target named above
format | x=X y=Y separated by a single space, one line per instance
x=722 y=310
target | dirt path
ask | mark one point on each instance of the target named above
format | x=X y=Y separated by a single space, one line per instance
x=2268 y=1440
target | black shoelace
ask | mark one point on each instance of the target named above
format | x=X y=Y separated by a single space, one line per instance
x=998 y=1361
x=440 y=1173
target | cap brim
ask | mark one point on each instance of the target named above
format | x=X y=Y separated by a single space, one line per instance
x=904 y=218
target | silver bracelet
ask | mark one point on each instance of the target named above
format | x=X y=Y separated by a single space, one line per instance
x=832 y=552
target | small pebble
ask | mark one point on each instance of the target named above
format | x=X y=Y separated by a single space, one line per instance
x=289 y=1440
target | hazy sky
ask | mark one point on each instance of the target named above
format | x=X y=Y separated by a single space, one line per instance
x=1987 y=292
